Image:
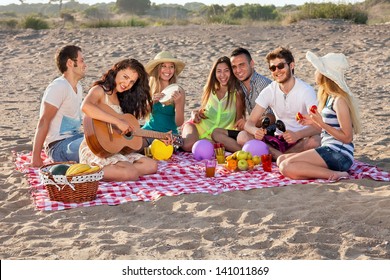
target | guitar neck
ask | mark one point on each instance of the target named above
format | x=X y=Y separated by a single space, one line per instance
x=150 y=133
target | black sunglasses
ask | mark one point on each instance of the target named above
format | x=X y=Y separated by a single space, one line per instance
x=280 y=66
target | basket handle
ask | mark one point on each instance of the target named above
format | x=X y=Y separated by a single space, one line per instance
x=48 y=181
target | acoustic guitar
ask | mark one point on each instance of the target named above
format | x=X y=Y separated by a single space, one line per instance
x=105 y=139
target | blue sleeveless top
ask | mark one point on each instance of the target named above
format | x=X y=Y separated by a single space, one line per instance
x=329 y=116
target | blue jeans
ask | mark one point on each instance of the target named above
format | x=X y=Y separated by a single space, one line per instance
x=334 y=160
x=67 y=149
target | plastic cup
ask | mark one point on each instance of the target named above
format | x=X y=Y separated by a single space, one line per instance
x=210 y=167
x=220 y=159
x=266 y=161
x=220 y=154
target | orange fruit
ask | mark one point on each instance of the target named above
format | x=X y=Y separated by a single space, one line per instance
x=231 y=164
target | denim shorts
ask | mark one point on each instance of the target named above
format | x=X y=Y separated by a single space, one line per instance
x=334 y=160
x=67 y=149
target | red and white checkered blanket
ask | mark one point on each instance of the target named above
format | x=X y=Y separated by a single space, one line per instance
x=182 y=174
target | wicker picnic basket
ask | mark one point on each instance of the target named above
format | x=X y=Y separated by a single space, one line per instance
x=70 y=189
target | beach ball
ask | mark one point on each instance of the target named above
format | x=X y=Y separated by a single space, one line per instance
x=160 y=151
x=203 y=149
x=256 y=147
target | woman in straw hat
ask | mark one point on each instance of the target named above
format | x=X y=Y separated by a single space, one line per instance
x=222 y=105
x=338 y=120
x=163 y=71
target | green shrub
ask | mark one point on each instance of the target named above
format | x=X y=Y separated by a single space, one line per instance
x=169 y=22
x=8 y=24
x=133 y=22
x=96 y=13
x=222 y=19
x=234 y=12
x=103 y=24
x=258 y=12
x=333 y=11
x=34 y=23
x=212 y=10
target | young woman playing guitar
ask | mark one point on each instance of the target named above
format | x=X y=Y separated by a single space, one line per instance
x=121 y=91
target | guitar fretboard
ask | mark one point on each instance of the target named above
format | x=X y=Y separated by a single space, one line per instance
x=150 y=133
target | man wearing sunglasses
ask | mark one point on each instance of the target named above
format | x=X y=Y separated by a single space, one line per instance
x=286 y=96
x=252 y=83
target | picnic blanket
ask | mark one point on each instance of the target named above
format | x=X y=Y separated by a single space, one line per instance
x=182 y=174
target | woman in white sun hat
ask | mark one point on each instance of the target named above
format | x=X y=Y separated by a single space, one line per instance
x=337 y=116
x=166 y=116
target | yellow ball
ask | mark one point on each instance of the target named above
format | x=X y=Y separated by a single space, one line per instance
x=160 y=151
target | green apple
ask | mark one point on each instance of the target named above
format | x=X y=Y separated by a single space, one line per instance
x=248 y=155
x=242 y=155
x=242 y=164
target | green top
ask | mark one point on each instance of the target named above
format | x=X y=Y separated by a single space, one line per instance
x=218 y=115
x=162 y=119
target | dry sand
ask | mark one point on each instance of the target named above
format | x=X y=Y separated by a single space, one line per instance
x=344 y=220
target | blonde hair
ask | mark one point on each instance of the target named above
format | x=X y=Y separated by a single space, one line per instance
x=328 y=87
x=154 y=79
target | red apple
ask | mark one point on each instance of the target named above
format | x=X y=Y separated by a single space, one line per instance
x=299 y=116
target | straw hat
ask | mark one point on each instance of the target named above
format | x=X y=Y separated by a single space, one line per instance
x=332 y=66
x=162 y=57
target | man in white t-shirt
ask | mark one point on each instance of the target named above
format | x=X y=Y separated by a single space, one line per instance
x=286 y=96
x=59 y=126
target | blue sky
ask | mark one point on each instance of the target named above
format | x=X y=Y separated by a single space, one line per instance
x=207 y=2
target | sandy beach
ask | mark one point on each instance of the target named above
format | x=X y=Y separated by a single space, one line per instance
x=349 y=219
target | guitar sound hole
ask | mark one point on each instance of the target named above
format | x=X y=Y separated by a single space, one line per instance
x=129 y=134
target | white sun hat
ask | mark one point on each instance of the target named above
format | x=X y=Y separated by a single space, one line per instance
x=162 y=57
x=331 y=65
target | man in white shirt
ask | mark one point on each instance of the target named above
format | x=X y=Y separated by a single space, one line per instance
x=286 y=96
x=59 y=126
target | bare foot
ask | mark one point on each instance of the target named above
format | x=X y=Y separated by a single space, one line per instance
x=338 y=175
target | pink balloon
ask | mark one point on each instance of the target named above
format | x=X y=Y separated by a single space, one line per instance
x=203 y=149
x=256 y=147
